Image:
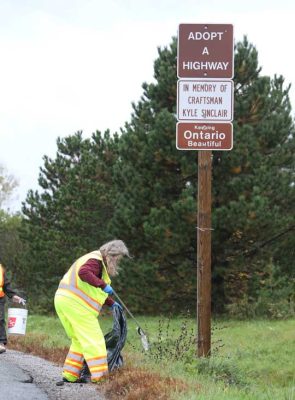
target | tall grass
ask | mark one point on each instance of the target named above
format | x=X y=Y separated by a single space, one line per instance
x=250 y=360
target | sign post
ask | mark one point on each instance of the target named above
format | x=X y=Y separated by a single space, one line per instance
x=204 y=111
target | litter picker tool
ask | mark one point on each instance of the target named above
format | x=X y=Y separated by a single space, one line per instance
x=140 y=331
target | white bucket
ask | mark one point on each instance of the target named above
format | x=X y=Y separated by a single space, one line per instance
x=17 y=321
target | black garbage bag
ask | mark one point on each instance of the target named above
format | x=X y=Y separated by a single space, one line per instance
x=115 y=341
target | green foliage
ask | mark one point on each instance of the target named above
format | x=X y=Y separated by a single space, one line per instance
x=155 y=206
x=69 y=217
x=222 y=369
x=253 y=191
x=173 y=342
x=274 y=297
x=11 y=248
x=140 y=188
x=253 y=210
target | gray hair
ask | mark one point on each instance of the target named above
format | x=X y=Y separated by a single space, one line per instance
x=115 y=248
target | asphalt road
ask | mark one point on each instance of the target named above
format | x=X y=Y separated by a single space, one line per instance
x=13 y=383
x=27 y=377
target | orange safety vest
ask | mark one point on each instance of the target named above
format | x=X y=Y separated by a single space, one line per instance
x=2 y=294
x=72 y=286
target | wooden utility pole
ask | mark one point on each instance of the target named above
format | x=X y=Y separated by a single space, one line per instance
x=205 y=68
x=204 y=253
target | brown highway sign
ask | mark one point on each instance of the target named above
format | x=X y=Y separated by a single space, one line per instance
x=205 y=51
x=204 y=136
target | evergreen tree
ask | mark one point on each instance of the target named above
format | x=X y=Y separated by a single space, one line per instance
x=69 y=217
x=255 y=201
x=253 y=195
x=138 y=187
x=155 y=204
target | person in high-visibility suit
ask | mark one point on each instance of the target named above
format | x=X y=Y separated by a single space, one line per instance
x=82 y=292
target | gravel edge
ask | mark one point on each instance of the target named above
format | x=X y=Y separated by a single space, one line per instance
x=45 y=374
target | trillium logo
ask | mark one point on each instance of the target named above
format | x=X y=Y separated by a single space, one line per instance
x=11 y=322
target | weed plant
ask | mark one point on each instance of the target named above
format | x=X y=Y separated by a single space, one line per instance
x=173 y=343
x=178 y=344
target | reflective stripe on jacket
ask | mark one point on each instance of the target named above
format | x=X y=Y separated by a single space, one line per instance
x=72 y=286
x=2 y=294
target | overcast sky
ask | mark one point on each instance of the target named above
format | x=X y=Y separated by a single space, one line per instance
x=69 y=65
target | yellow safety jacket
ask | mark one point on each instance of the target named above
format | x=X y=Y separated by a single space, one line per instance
x=72 y=286
x=2 y=294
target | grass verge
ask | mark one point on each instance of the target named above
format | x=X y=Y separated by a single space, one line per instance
x=250 y=360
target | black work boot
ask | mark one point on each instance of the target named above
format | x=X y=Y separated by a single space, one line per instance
x=64 y=380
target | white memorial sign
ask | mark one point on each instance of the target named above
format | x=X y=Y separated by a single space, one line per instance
x=204 y=100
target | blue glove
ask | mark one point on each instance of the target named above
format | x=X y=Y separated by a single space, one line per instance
x=108 y=289
x=116 y=305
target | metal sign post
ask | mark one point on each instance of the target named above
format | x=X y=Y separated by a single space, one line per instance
x=204 y=111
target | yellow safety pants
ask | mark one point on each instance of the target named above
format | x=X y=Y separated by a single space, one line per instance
x=88 y=342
